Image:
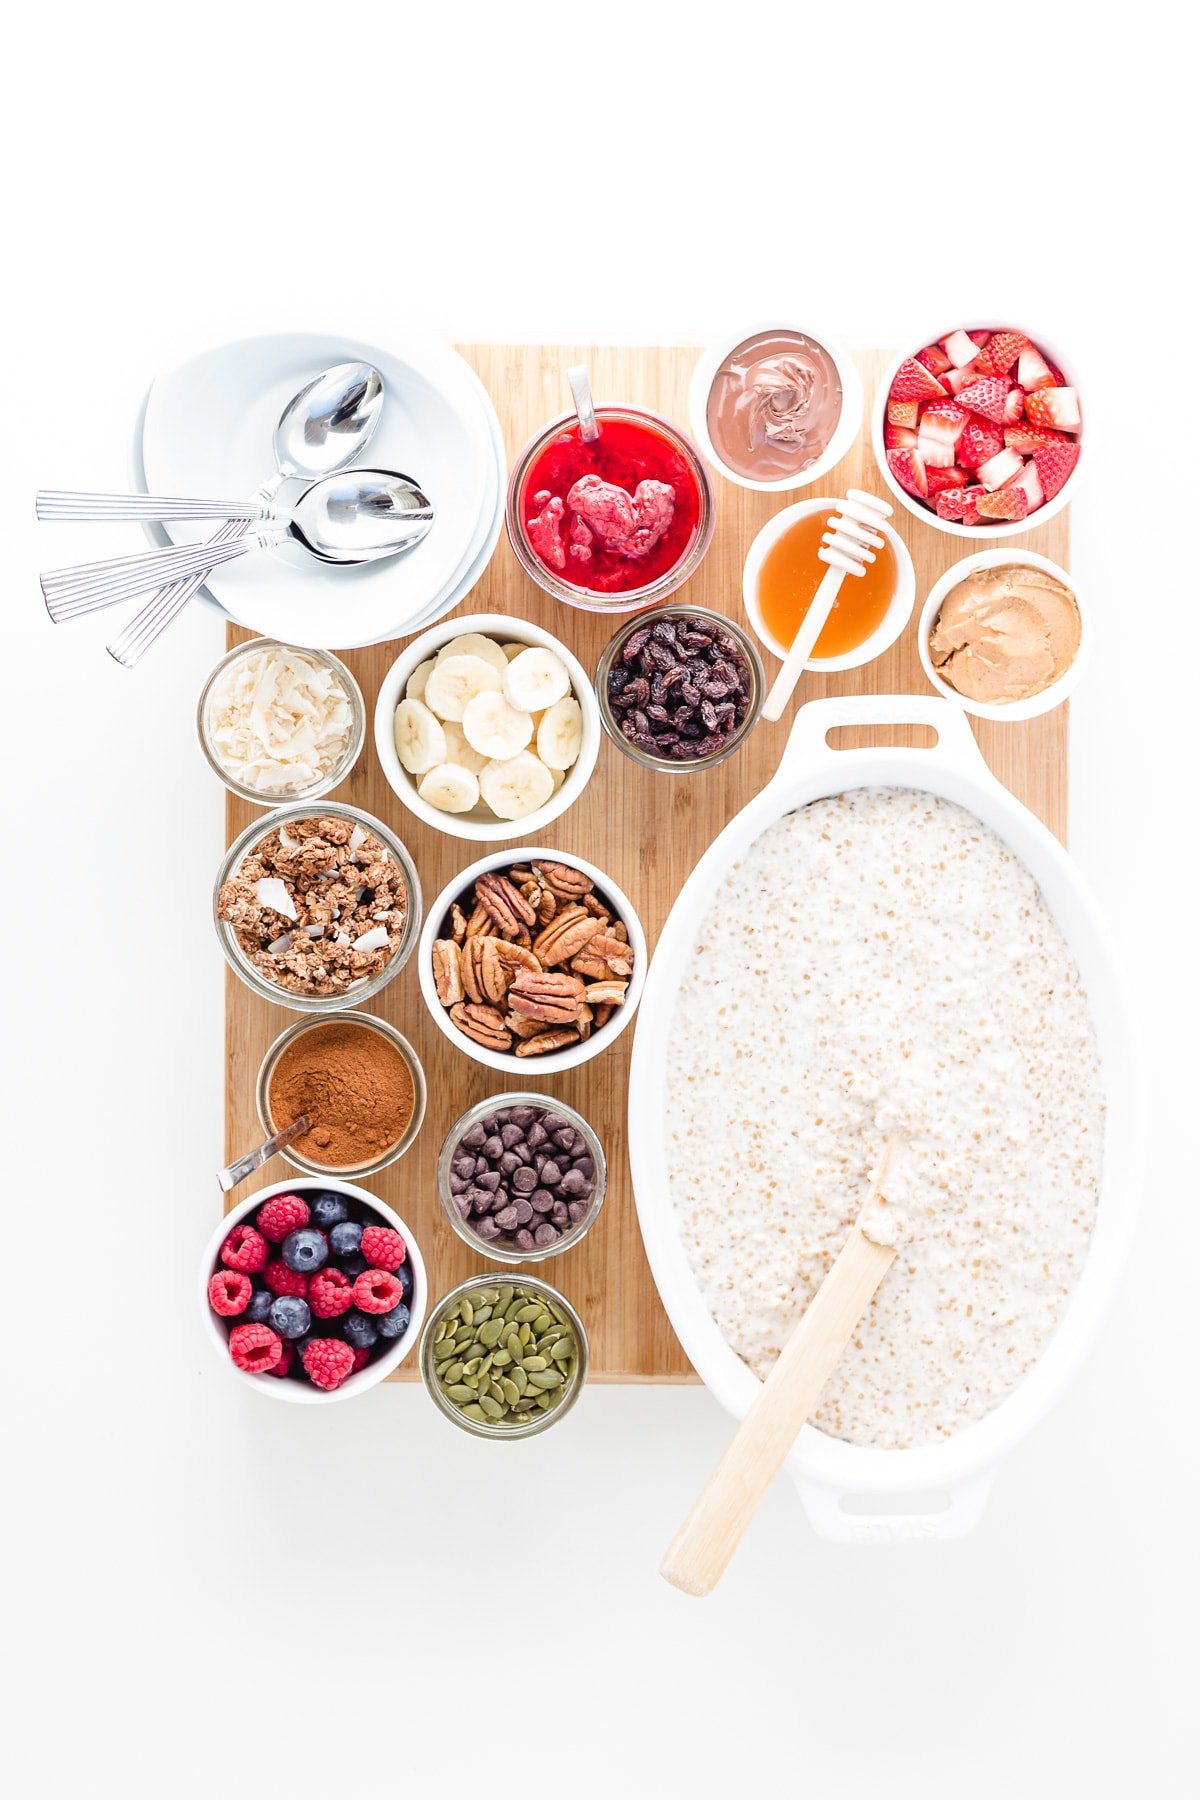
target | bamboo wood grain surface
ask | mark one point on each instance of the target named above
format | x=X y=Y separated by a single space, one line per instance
x=646 y=829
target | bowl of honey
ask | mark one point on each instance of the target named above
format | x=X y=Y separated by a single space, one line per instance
x=783 y=571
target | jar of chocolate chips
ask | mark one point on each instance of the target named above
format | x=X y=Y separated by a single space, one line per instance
x=680 y=688
x=521 y=1177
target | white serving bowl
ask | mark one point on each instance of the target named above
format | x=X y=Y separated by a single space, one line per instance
x=530 y=1068
x=845 y=432
x=481 y=826
x=856 y=1493
x=1050 y=697
x=890 y=626
x=1002 y=528
x=284 y=1387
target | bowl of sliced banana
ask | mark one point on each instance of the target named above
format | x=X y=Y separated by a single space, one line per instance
x=487 y=727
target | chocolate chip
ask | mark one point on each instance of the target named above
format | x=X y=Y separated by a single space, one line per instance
x=544 y=1235
x=524 y=1181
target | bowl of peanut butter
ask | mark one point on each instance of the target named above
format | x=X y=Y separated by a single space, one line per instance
x=1003 y=635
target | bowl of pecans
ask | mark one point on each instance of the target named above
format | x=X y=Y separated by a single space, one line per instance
x=540 y=958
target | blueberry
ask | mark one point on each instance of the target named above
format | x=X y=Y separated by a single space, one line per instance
x=395 y=1323
x=328 y=1210
x=358 y=1330
x=345 y=1238
x=352 y=1265
x=290 y=1316
x=305 y=1250
x=404 y=1276
x=258 y=1311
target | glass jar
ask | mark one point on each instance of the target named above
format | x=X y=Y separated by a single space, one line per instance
x=676 y=612
x=291 y=1153
x=366 y=986
x=491 y=1280
x=633 y=599
x=488 y=1247
x=346 y=761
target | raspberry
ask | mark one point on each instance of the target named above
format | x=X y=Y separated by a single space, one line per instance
x=330 y=1293
x=229 y=1292
x=282 y=1280
x=382 y=1247
x=255 y=1348
x=286 y=1212
x=287 y=1351
x=361 y=1359
x=376 y=1291
x=244 y=1249
x=327 y=1360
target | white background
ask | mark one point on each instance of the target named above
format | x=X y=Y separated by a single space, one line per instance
x=210 y=1594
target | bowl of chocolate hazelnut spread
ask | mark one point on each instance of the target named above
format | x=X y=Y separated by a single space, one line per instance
x=773 y=407
x=1003 y=634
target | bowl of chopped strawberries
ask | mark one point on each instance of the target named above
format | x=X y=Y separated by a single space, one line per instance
x=979 y=432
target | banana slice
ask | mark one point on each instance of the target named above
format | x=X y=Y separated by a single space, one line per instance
x=473 y=643
x=516 y=786
x=459 y=751
x=416 y=681
x=511 y=651
x=560 y=734
x=449 y=787
x=420 y=740
x=535 y=680
x=456 y=681
x=494 y=728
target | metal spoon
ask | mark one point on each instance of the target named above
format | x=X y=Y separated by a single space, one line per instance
x=362 y=515
x=254 y=1159
x=322 y=429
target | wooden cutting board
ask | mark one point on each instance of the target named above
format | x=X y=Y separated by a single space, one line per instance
x=647 y=830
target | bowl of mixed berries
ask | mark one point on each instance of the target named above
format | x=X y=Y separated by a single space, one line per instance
x=313 y=1290
x=979 y=432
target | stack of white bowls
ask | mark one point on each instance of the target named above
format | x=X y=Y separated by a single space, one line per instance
x=206 y=428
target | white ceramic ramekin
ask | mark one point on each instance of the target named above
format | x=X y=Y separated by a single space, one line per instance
x=890 y=626
x=286 y=1387
x=1002 y=528
x=528 y=1069
x=845 y=432
x=1050 y=697
x=482 y=826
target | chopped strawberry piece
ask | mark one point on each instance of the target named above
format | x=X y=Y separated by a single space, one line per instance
x=941 y=479
x=955 y=380
x=1030 y=481
x=980 y=337
x=1027 y=438
x=1009 y=502
x=999 y=468
x=933 y=358
x=1054 y=464
x=914 y=382
x=939 y=431
x=1014 y=405
x=902 y=412
x=986 y=397
x=1059 y=378
x=979 y=441
x=1056 y=406
x=958 y=504
x=899 y=437
x=1033 y=371
x=948 y=412
x=960 y=349
x=908 y=466
x=1002 y=352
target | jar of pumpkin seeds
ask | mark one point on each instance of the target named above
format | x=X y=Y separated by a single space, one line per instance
x=504 y=1355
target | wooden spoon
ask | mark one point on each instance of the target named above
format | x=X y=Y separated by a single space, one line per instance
x=713 y=1529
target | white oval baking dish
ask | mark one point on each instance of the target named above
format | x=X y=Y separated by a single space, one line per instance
x=856 y=1493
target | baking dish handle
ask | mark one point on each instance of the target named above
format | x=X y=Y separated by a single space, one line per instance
x=955 y=740
x=842 y=1518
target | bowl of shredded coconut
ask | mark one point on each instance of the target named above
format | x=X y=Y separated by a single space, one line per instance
x=278 y=723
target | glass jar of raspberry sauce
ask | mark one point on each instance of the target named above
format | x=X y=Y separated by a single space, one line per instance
x=615 y=523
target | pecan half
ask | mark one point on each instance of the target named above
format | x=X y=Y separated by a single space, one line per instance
x=545 y=1041
x=447 y=971
x=565 y=936
x=606 y=993
x=552 y=998
x=478 y=921
x=523 y=1028
x=597 y=907
x=484 y=1025
x=601 y=1014
x=567 y=883
x=484 y=976
x=504 y=904
x=458 y=923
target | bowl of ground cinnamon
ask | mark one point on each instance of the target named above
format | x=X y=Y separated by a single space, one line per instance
x=359 y=1082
